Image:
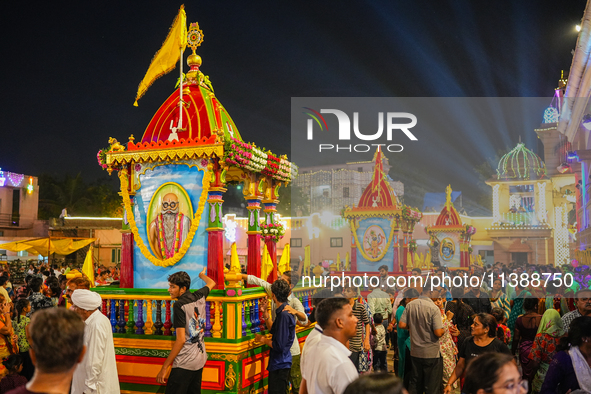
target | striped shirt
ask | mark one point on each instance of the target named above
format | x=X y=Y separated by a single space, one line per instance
x=356 y=343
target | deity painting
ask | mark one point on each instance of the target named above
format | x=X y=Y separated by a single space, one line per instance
x=447 y=249
x=374 y=241
x=169 y=220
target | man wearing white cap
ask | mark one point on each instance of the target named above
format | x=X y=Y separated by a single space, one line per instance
x=97 y=373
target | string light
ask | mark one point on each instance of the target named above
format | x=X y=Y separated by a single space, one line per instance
x=561 y=249
x=496 y=212
x=518 y=160
x=542 y=212
x=15 y=179
x=551 y=115
x=2 y=178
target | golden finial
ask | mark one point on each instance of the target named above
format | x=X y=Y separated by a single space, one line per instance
x=562 y=81
x=448 y=197
x=131 y=139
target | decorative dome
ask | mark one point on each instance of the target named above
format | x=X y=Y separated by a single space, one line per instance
x=521 y=163
x=203 y=115
x=551 y=115
x=379 y=193
x=449 y=216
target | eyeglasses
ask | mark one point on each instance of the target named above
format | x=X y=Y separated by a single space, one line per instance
x=513 y=387
x=171 y=204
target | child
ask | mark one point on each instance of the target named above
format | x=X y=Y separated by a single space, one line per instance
x=20 y=323
x=503 y=332
x=379 y=351
x=14 y=365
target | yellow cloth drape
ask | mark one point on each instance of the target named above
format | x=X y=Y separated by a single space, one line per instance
x=45 y=246
x=165 y=59
x=88 y=267
x=284 y=262
x=234 y=260
x=266 y=264
x=347 y=263
x=338 y=261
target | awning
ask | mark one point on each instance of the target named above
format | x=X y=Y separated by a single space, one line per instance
x=45 y=246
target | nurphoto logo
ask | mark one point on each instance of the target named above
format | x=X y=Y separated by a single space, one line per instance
x=393 y=124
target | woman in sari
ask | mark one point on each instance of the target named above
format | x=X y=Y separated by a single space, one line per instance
x=545 y=346
x=526 y=328
x=410 y=294
x=447 y=346
x=517 y=307
x=6 y=333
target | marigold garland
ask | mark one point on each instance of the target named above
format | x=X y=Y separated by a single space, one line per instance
x=193 y=229
x=360 y=247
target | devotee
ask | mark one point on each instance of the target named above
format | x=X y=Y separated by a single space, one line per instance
x=404 y=365
x=330 y=370
x=462 y=314
x=526 y=328
x=97 y=373
x=380 y=351
x=582 y=305
x=357 y=344
x=476 y=298
x=37 y=299
x=570 y=368
x=76 y=283
x=503 y=332
x=6 y=333
x=188 y=354
x=498 y=299
x=545 y=346
x=416 y=272
x=383 y=277
x=423 y=320
x=20 y=323
x=446 y=343
x=316 y=334
x=376 y=383
x=282 y=330
x=3 y=280
x=494 y=373
x=483 y=340
x=56 y=336
x=295 y=307
x=13 y=364
x=379 y=302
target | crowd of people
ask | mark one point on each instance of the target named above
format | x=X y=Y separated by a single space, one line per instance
x=48 y=348
x=491 y=336
x=442 y=339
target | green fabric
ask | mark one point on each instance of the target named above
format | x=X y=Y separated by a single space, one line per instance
x=551 y=324
x=295 y=375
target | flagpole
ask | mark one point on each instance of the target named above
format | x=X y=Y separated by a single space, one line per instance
x=180 y=125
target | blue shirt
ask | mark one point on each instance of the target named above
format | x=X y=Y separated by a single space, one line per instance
x=283 y=332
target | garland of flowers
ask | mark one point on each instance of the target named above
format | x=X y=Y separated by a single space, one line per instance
x=177 y=236
x=360 y=248
x=273 y=231
x=407 y=214
x=123 y=178
x=412 y=246
x=250 y=157
x=101 y=157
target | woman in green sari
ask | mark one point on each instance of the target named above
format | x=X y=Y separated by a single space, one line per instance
x=550 y=331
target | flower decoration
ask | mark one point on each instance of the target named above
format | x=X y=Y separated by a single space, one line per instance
x=101 y=157
x=251 y=158
x=412 y=246
x=273 y=231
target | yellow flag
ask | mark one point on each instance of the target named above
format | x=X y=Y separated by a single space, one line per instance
x=88 y=267
x=347 y=264
x=234 y=260
x=307 y=261
x=284 y=262
x=338 y=261
x=266 y=264
x=165 y=59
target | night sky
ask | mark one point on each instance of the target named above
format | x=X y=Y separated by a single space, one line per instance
x=69 y=73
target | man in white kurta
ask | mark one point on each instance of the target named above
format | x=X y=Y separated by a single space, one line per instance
x=97 y=373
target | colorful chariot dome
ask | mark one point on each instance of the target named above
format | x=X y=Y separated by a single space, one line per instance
x=379 y=193
x=521 y=164
x=203 y=114
x=448 y=217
